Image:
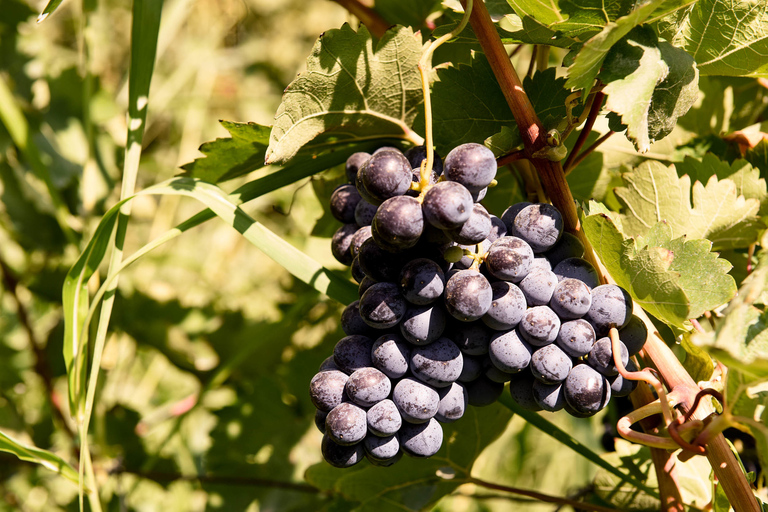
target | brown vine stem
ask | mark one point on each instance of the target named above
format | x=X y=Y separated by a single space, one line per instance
x=371 y=19
x=578 y=505
x=721 y=458
x=597 y=103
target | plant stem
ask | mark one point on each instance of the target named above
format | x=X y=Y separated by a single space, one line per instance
x=597 y=103
x=552 y=177
x=221 y=480
x=578 y=505
x=584 y=154
x=376 y=25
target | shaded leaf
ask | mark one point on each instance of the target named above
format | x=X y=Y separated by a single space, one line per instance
x=39 y=456
x=758 y=157
x=350 y=92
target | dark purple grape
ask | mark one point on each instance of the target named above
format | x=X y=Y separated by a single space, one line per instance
x=611 y=307
x=571 y=299
x=320 y=420
x=341 y=243
x=386 y=174
x=586 y=390
x=483 y=391
x=379 y=264
x=550 y=364
x=479 y=195
x=577 y=268
x=438 y=364
x=633 y=335
x=541 y=263
x=538 y=287
x=521 y=390
x=433 y=178
x=382 y=448
x=453 y=403
x=417 y=154
x=364 y=212
x=473 y=165
x=341 y=456
x=354 y=162
x=343 y=203
x=368 y=386
x=328 y=364
x=576 y=337
x=391 y=354
x=471 y=338
x=422 y=281
x=471 y=369
x=382 y=306
x=447 y=205
x=496 y=375
x=352 y=323
x=468 y=295
x=352 y=353
x=509 y=352
x=550 y=397
x=387 y=148
x=326 y=390
x=384 y=418
x=498 y=229
x=398 y=223
x=366 y=283
x=540 y=225
x=357 y=271
x=346 y=424
x=569 y=246
x=422 y=325
x=601 y=357
x=475 y=229
x=507 y=306
x=416 y=401
x=509 y=215
x=423 y=440
x=358 y=239
x=509 y=258
x=539 y=326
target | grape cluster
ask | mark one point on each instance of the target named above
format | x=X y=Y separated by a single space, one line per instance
x=454 y=303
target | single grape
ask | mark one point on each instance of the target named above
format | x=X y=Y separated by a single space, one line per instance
x=550 y=397
x=509 y=352
x=540 y=225
x=368 y=386
x=633 y=335
x=343 y=203
x=538 y=287
x=384 y=419
x=540 y=263
x=364 y=212
x=586 y=390
x=341 y=456
x=422 y=281
x=471 y=338
x=417 y=154
x=453 y=403
x=468 y=295
x=352 y=323
x=416 y=401
x=354 y=162
x=611 y=307
x=341 y=243
x=621 y=386
x=358 y=239
x=509 y=258
x=387 y=462
x=577 y=268
x=366 y=283
x=435 y=235
x=386 y=174
x=387 y=148
x=576 y=337
x=346 y=424
x=507 y=306
x=509 y=215
x=601 y=357
x=571 y=299
x=475 y=229
x=447 y=205
x=328 y=364
x=326 y=389
x=352 y=353
x=422 y=325
x=539 y=326
x=498 y=229
x=438 y=364
x=473 y=165
x=391 y=354
x=550 y=364
x=496 y=375
x=379 y=264
x=471 y=369
x=357 y=271
x=569 y=246
x=382 y=448
x=382 y=306
x=422 y=440
x=320 y=420
x=398 y=223
x=521 y=390
x=483 y=391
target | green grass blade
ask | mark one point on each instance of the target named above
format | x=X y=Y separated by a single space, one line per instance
x=565 y=438
x=38 y=456
x=52 y=6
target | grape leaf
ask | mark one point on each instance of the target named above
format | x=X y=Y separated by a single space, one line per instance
x=655 y=193
x=758 y=156
x=227 y=158
x=416 y=484
x=649 y=85
x=725 y=37
x=350 y=92
x=586 y=66
x=674 y=279
x=747 y=179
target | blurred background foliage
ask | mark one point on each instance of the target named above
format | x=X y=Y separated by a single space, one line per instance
x=212 y=345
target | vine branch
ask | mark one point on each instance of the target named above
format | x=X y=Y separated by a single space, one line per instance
x=546 y=498
x=376 y=25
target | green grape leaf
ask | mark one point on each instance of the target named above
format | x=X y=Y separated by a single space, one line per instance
x=586 y=65
x=350 y=92
x=673 y=279
x=39 y=456
x=654 y=193
x=416 y=484
x=228 y=158
x=697 y=362
x=758 y=156
x=649 y=85
x=725 y=37
x=410 y=13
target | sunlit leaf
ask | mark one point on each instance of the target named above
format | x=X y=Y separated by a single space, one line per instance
x=39 y=456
